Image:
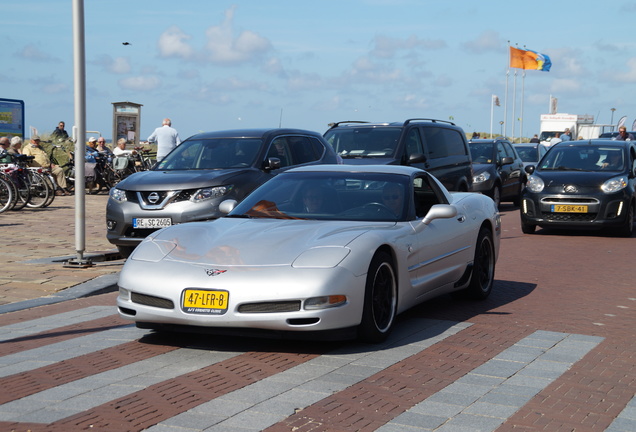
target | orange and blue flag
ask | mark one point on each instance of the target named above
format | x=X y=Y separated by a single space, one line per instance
x=528 y=59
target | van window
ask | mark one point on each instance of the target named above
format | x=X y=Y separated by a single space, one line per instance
x=441 y=142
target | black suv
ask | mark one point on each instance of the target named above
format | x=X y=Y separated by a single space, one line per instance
x=436 y=146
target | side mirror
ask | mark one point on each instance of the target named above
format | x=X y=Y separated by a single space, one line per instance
x=529 y=169
x=507 y=160
x=416 y=158
x=439 y=211
x=227 y=206
x=271 y=163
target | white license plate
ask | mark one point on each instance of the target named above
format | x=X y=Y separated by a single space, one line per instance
x=151 y=222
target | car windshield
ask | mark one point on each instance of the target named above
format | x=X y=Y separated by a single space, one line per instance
x=482 y=152
x=216 y=153
x=329 y=196
x=584 y=158
x=528 y=153
x=364 y=142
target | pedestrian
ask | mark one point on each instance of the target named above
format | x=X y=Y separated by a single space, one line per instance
x=60 y=133
x=166 y=137
x=16 y=145
x=41 y=159
x=566 y=135
x=623 y=135
x=534 y=139
x=555 y=139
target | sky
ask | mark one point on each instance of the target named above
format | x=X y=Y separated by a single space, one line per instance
x=215 y=64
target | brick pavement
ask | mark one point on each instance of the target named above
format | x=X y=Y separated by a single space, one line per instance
x=552 y=349
x=36 y=242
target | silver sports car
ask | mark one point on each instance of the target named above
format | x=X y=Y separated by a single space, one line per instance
x=331 y=251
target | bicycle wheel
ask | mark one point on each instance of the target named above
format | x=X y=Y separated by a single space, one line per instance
x=39 y=191
x=13 y=190
x=6 y=195
x=50 y=184
x=23 y=190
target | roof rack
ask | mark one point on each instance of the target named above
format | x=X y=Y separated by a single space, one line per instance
x=428 y=119
x=333 y=125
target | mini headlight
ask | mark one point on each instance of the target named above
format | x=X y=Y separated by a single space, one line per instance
x=118 y=195
x=210 y=193
x=614 y=184
x=325 y=302
x=480 y=178
x=535 y=184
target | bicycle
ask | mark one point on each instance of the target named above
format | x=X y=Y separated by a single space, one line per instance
x=7 y=194
x=33 y=180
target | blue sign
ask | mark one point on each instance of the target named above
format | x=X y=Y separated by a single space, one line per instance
x=11 y=117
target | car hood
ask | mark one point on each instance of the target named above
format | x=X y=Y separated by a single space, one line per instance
x=181 y=179
x=252 y=242
x=479 y=168
x=585 y=180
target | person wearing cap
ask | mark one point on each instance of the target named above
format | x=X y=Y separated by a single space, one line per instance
x=91 y=153
x=41 y=159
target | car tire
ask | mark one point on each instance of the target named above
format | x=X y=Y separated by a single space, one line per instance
x=495 y=194
x=380 y=300
x=483 y=274
x=528 y=228
x=125 y=251
x=628 y=228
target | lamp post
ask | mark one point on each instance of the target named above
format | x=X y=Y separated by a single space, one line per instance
x=612 y=119
x=501 y=123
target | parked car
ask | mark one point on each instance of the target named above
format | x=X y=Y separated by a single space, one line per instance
x=582 y=184
x=384 y=239
x=436 y=146
x=530 y=153
x=207 y=168
x=497 y=170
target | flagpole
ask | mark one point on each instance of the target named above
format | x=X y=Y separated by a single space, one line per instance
x=505 y=131
x=514 y=102
x=492 y=112
x=523 y=87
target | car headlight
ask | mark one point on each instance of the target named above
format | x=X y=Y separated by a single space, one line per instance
x=614 y=184
x=535 y=184
x=210 y=193
x=480 y=178
x=118 y=195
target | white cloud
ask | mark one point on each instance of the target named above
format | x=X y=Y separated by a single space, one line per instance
x=119 y=65
x=565 y=86
x=629 y=74
x=31 y=52
x=173 y=43
x=222 y=47
x=140 y=83
x=488 y=40
x=386 y=47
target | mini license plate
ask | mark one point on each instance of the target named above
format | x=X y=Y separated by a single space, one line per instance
x=151 y=222
x=559 y=208
x=206 y=302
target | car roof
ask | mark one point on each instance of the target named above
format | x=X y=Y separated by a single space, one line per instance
x=487 y=140
x=379 y=169
x=252 y=133
x=595 y=142
x=358 y=124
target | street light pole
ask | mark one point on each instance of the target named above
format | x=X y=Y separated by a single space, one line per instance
x=612 y=120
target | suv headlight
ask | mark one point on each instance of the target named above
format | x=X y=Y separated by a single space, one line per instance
x=535 y=184
x=118 y=195
x=480 y=178
x=210 y=193
x=614 y=184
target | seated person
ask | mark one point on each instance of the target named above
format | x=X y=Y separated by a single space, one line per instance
x=393 y=198
x=314 y=200
x=613 y=161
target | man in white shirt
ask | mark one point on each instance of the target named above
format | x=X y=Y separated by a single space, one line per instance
x=166 y=138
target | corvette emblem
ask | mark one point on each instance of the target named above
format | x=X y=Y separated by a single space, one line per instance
x=214 y=272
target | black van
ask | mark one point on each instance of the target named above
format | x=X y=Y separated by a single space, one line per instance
x=437 y=146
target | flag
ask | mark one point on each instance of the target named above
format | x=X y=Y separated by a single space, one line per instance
x=621 y=122
x=495 y=100
x=553 y=105
x=528 y=59
x=33 y=130
x=634 y=125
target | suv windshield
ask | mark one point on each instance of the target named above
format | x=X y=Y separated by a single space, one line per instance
x=528 y=153
x=584 y=158
x=482 y=153
x=204 y=154
x=364 y=142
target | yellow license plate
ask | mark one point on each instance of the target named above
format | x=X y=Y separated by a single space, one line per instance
x=207 y=302
x=559 y=208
